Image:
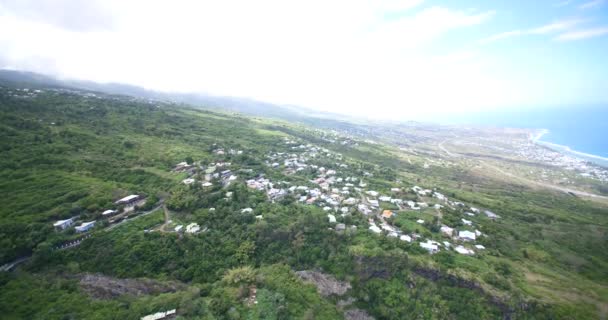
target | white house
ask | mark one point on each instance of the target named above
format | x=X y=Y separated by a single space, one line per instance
x=374 y=228
x=63 y=224
x=108 y=213
x=463 y=250
x=406 y=238
x=429 y=246
x=447 y=231
x=332 y=218
x=420 y=221
x=466 y=235
x=85 y=226
x=480 y=247
x=207 y=184
x=466 y=222
x=179 y=228
x=188 y=181
x=128 y=199
x=193 y=228
x=247 y=210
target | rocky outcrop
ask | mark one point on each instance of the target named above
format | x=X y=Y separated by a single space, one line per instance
x=326 y=284
x=104 y=287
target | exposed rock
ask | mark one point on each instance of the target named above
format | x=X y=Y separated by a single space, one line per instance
x=104 y=287
x=326 y=284
x=357 y=314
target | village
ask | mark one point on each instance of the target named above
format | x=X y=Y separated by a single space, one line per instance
x=321 y=178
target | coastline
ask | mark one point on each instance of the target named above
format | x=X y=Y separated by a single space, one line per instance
x=595 y=159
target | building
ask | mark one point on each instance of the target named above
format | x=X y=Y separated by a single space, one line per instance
x=63 y=224
x=463 y=250
x=193 y=228
x=387 y=214
x=188 y=181
x=429 y=246
x=406 y=238
x=332 y=218
x=85 y=226
x=128 y=199
x=447 y=231
x=108 y=213
x=466 y=235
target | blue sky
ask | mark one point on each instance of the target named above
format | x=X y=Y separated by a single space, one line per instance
x=407 y=59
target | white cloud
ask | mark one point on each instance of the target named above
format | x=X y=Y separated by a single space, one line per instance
x=502 y=35
x=582 y=34
x=344 y=56
x=591 y=4
x=556 y=26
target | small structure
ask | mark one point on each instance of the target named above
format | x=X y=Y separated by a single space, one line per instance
x=332 y=218
x=207 y=184
x=193 y=228
x=188 y=181
x=128 y=199
x=467 y=222
x=374 y=228
x=247 y=210
x=463 y=250
x=466 y=235
x=108 y=213
x=387 y=214
x=420 y=221
x=340 y=227
x=85 y=226
x=63 y=224
x=405 y=238
x=447 y=231
x=430 y=246
x=179 y=228
x=479 y=246
x=159 y=315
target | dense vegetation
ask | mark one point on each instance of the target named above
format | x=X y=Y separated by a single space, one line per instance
x=69 y=154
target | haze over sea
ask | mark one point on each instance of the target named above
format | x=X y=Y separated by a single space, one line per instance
x=582 y=129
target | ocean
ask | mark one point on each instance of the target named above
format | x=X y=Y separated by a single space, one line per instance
x=579 y=131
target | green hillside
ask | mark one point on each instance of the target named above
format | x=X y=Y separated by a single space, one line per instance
x=73 y=154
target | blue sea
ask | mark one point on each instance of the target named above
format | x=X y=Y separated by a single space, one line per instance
x=581 y=131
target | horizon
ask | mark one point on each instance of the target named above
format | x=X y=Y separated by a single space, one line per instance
x=411 y=60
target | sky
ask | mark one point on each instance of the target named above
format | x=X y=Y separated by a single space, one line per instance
x=408 y=59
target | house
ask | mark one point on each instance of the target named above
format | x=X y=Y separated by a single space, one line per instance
x=445 y=230
x=387 y=214
x=406 y=238
x=332 y=218
x=179 y=228
x=420 y=221
x=430 y=246
x=63 y=224
x=480 y=247
x=207 y=184
x=395 y=189
x=374 y=203
x=85 y=226
x=384 y=199
x=188 y=181
x=247 y=210
x=108 y=213
x=466 y=222
x=491 y=215
x=466 y=235
x=374 y=228
x=128 y=199
x=340 y=227
x=463 y=250
x=193 y=228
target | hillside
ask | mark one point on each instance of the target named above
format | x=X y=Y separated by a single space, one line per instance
x=242 y=217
